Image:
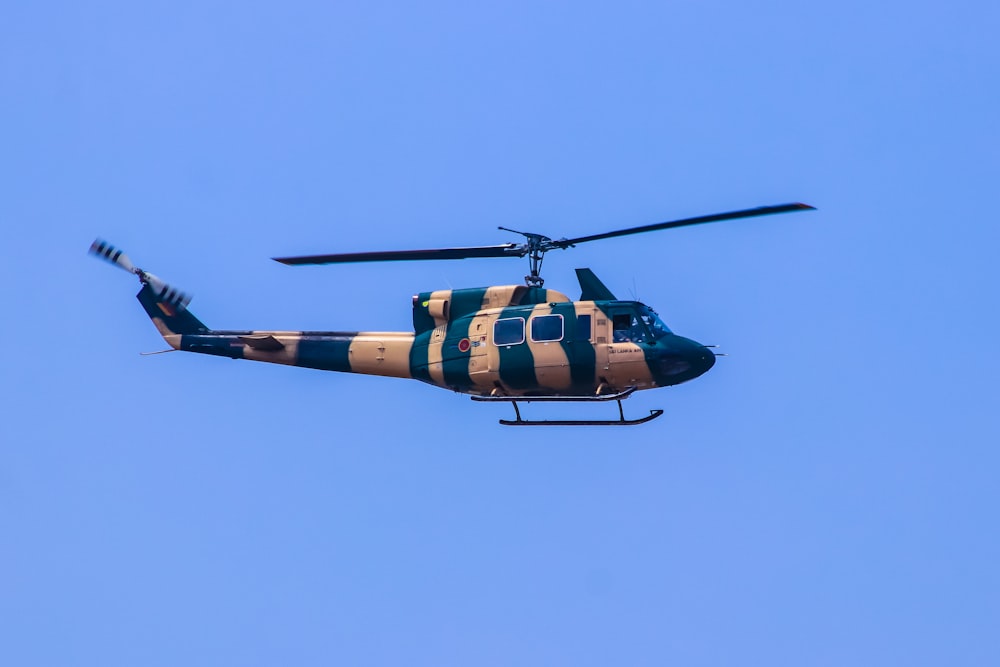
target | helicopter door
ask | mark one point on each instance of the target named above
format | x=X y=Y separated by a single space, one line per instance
x=626 y=361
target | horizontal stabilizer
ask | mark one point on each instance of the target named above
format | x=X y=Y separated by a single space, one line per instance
x=262 y=342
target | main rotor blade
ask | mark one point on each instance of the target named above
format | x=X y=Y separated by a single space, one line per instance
x=748 y=213
x=505 y=250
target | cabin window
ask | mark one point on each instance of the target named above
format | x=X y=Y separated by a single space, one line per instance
x=583 y=327
x=508 y=331
x=547 y=328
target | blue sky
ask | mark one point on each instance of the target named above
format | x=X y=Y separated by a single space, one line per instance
x=826 y=495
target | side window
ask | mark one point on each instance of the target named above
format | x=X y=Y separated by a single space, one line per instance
x=545 y=328
x=583 y=327
x=509 y=331
x=620 y=325
x=627 y=329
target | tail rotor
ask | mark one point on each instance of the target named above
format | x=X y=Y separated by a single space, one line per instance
x=165 y=292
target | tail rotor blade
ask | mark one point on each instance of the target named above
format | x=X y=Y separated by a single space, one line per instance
x=171 y=295
x=109 y=253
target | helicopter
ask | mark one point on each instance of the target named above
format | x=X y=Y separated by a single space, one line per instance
x=501 y=344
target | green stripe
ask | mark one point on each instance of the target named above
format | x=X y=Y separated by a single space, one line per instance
x=328 y=353
x=455 y=363
x=422 y=320
x=517 y=364
x=466 y=302
x=216 y=345
x=418 y=357
x=580 y=352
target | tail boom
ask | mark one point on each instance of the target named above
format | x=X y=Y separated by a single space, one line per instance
x=370 y=352
x=385 y=353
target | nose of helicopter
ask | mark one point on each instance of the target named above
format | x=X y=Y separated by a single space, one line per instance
x=683 y=359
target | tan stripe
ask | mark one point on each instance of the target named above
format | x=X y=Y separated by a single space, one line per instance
x=434 y=356
x=441 y=295
x=384 y=353
x=173 y=339
x=552 y=296
x=498 y=296
x=628 y=366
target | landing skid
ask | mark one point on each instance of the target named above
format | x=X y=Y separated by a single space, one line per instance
x=618 y=397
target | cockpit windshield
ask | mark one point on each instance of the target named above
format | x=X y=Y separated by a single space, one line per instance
x=657 y=328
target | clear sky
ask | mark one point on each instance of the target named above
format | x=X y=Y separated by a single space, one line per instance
x=826 y=495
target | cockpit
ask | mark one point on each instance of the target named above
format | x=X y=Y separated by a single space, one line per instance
x=641 y=325
x=657 y=328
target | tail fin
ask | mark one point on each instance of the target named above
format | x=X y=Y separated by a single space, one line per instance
x=592 y=287
x=169 y=317
x=165 y=305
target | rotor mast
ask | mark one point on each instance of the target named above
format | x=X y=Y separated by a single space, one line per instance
x=535 y=248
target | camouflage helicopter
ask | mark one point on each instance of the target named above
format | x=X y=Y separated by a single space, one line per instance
x=506 y=343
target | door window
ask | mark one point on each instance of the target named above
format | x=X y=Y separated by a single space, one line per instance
x=547 y=328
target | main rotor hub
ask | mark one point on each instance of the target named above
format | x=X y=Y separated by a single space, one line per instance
x=535 y=247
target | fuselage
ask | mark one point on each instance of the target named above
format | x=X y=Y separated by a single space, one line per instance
x=508 y=340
